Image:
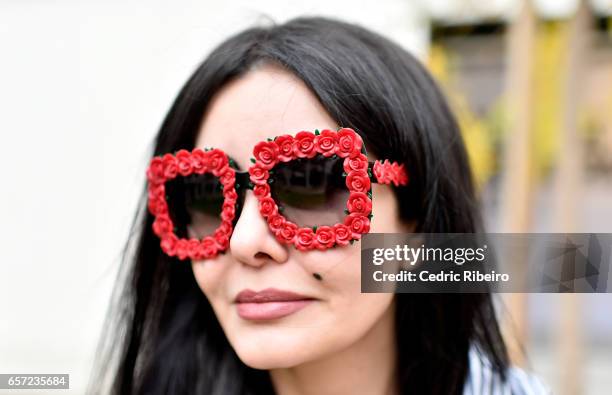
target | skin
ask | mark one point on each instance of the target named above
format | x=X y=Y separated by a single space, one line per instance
x=328 y=346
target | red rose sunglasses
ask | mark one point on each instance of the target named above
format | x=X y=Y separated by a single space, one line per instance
x=313 y=189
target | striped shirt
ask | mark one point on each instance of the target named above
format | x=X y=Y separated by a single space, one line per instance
x=482 y=381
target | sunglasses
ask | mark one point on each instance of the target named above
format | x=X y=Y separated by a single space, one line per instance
x=313 y=190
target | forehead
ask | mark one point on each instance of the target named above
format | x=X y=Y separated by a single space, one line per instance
x=261 y=104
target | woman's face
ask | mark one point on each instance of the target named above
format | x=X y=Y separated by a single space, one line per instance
x=264 y=103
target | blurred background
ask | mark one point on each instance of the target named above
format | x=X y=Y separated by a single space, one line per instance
x=85 y=85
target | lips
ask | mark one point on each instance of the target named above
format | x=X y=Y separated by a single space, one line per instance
x=269 y=303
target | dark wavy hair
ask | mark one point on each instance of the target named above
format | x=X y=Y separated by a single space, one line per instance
x=162 y=336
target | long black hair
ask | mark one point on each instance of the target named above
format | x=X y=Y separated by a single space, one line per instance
x=162 y=335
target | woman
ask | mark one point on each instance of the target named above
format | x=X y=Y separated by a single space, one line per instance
x=259 y=316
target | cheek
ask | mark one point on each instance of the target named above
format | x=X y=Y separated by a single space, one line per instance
x=352 y=311
x=385 y=211
x=211 y=277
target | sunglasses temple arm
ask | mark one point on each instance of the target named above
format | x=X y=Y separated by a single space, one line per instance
x=385 y=172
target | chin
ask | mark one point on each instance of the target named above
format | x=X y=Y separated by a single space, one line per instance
x=272 y=353
x=272 y=359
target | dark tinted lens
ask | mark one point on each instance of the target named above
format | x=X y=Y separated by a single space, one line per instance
x=195 y=204
x=311 y=192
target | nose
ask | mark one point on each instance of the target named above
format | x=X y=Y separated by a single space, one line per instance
x=252 y=242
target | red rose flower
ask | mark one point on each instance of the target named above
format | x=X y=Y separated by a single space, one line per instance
x=287 y=232
x=230 y=195
x=155 y=172
x=393 y=172
x=162 y=225
x=343 y=234
x=358 y=163
x=183 y=158
x=217 y=171
x=216 y=159
x=397 y=173
x=358 y=181
x=228 y=177
x=379 y=171
x=228 y=206
x=325 y=143
x=168 y=244
x=199 y=161
x=221 y=239
x=182 y=248
x=358 y=224
x=326 y=237
x=208 y=247
x=304 y=239
x=170 y=166
x=359 y=203
x=157 y=191
x=192 y=246
x=267 y=207
x=262 y=190
x=349 y=143
x=228 y=212
x=276 y=222
x=158 y=206
x=303 y=145
x=258 y=174
x=197 y=254
x=266 y=152
x=387 y=173
x=285 y=147
x=403 y=175
x=225 y=227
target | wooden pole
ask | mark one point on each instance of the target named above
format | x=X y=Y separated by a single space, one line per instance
x=567 y=189
x=516 y=189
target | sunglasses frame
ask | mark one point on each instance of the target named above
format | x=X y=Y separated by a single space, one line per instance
x=344 y=143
